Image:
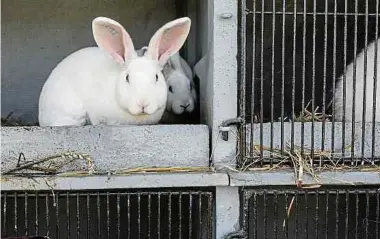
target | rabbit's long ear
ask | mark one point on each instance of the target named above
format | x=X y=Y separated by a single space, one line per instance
x=169 y=39
x=113 y=38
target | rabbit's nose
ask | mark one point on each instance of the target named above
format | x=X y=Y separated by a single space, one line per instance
x=142 y=104
x=185 y=106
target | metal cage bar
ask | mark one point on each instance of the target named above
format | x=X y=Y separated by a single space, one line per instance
x=108 y=214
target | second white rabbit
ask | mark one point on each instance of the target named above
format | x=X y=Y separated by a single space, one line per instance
x=359 y=87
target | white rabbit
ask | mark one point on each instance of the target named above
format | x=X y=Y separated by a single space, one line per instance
x=182 y=95
x=359 y=88
x=110 y=84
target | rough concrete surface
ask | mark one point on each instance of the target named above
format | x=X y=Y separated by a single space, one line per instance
x=162 y=180
x=111 y=147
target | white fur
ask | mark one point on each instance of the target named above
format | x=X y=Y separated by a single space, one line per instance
x=90 y=85
x=359 y=88
x=182 y=95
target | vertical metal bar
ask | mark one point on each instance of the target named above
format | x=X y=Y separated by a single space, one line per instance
x=294 y=75
x=333 y=87
x=37 y=212
x=356 y=213
x=316 y=226
x=313 y=85
x=170 y=214
x=283 y=75
x=296 y=216
x=375 y=72
x=324 y=79
x=377 y=212
x=149 y=214
x=98 y=212
x=15 y=214
x=344 y=77
x=4 y=218
x=210 y=217
x=354 y=84
x=254 y=234
x=265 y=214
x=272 y=82
x=262 y=83
x=68 y=214
x=57 y=214
x=347 y=211
x=129 y=214
x=108 y=214
x=275 y=210
x=47 y=213
x=366 y=213
x=78 y=216
x=303 y=75
x=253 y=78
x=118 y=214
x=307 y=219
x=180 y=215
x=245 y=216
x=286 y=218
x=88 y=215
x=327 y=215
x=337 y=215
x=365 y=81
x=159 y=216
x=243 y=83
x=190 y=215
x=139 y=214
x=200 y=211
x=25 y=213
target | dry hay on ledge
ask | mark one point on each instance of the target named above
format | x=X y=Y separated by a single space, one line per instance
x=72 y=164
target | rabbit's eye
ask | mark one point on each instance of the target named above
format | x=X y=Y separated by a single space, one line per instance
x=156 y=77
x=171 y=89
x=127 y=78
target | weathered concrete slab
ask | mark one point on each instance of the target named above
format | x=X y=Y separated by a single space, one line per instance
x=161 y=180
x=111 y=147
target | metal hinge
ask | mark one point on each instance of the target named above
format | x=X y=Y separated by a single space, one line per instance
x=225 y=126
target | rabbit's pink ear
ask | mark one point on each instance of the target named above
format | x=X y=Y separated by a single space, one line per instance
x=113 y=38
x=169 y=39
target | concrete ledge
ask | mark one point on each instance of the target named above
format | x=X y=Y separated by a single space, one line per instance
x=111 y=147
x=286 y=178
x=115 y=182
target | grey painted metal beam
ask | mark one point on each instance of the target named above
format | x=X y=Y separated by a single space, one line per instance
x=111 y=147
x=223 y=65
x=227 y=207
x=115 y=182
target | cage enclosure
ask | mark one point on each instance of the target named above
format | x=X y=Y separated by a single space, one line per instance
x=295 y=56
x=37 y=35
x=327 y=212
x=163 y=213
